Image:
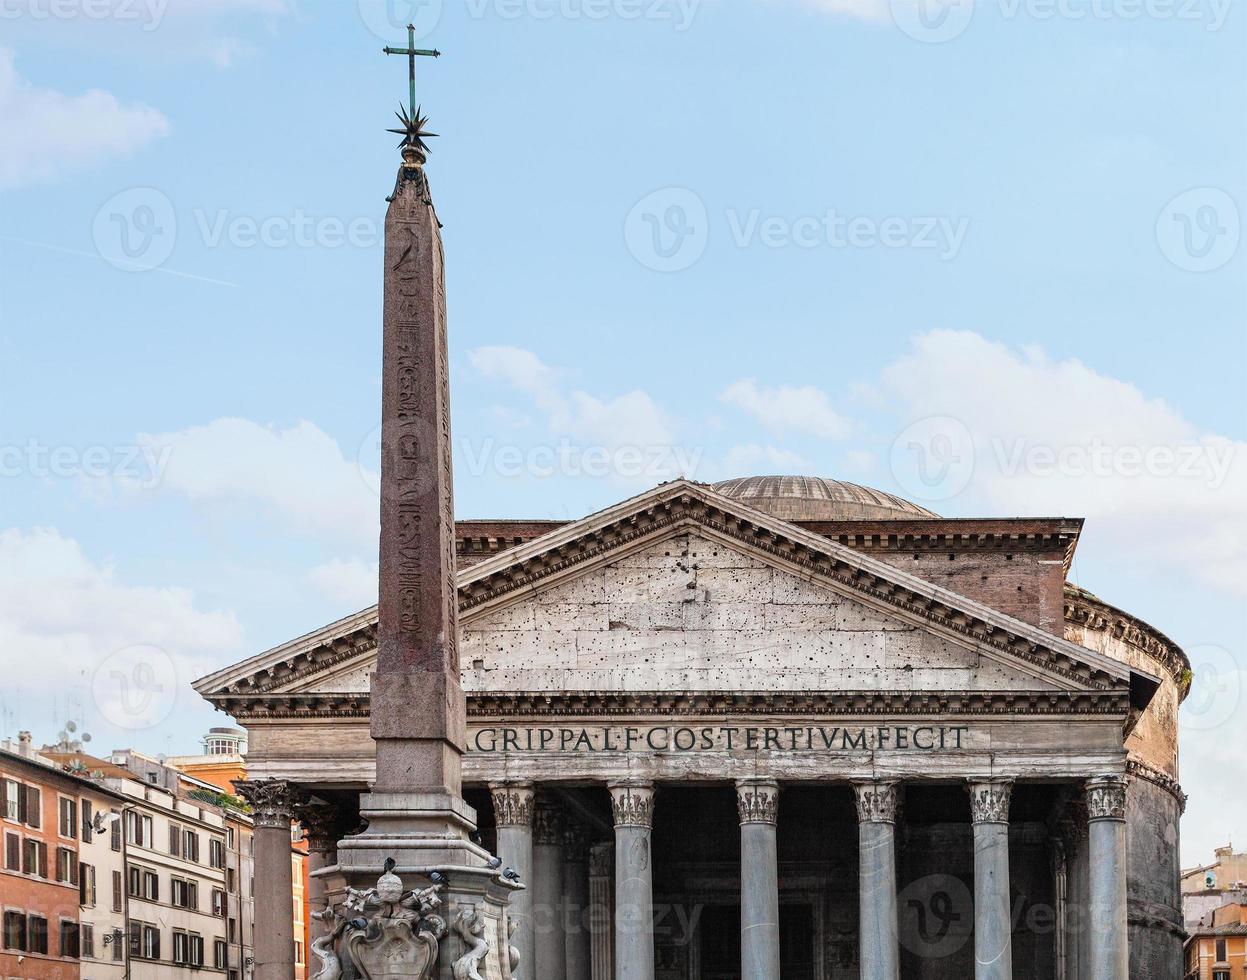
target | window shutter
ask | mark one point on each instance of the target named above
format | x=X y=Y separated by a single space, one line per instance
x=136 y=945
x=23 y=803
x=175 y=840
x=34 y=807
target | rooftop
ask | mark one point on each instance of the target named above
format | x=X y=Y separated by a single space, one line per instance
x=816 y=498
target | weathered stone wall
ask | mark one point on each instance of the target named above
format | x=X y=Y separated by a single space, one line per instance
x=1155 y=903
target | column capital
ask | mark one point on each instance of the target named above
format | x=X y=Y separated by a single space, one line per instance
x=274 y=802
x=877 y=801
x=989 y=800
x=757 y=801
x=601 y=859
x=322 y=824
x=547 y=823
x=513 y=804
x=633 y=804
x=1106 y=798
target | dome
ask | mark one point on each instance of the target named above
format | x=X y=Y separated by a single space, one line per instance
x=813 y=498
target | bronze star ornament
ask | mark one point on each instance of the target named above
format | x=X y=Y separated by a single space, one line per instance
x=413 y=131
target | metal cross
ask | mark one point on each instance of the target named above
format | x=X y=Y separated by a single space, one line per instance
x=412 y=53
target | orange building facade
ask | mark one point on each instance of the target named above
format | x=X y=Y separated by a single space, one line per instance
x=1219 y=951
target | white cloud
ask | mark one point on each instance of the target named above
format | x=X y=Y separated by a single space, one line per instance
x=788 y=410
x=299 y=475
x=1057 y=437
x=351 y=583
x=631 y=419
x=47 y=132
x=869 y=10
x=70 y=626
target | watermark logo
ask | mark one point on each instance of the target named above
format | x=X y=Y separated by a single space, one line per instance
x=1216 y=688
x=1198 y=231
x=141 y=466
x=834 y=230
x=146 y=13
x=936 y=916
x=668 y=230
x=388 y=19
x=136 y=229
x=135 y=687
x=933 y=459
x=932 y=21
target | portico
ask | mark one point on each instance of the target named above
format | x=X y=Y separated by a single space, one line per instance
x=720 y=745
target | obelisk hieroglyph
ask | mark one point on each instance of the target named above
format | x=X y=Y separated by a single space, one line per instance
x=415 y=810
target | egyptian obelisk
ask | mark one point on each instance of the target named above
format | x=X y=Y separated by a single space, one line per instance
x=415 y=811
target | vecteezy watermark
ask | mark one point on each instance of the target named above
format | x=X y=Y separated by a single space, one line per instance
x=136 y=230
x=933 y=459
x=669 y=230
x=1198 y=231
x=142 y=466
x=936 y=915
x=1209 y=464
x=1216 y=683
x=938 y=21
x=386 y=18
x=147 y=13
x=565 y=459
x=135 y=687
x=834 y=230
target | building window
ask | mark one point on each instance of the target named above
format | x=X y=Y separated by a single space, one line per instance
x=32 y=815
x=12 y=799
x=190 y=846
x=86 y=885
x=66 y=866
x=115 y=832
x=1220 y=975
x=229 y=837
x=231 y=881
x=118 y=896
x=175 y=840
x=188 y=948
x=218 y=902
x=298 y=951
x=69 y=818
x=15 y=931
x=12 y=852
x=86 y=939
x=35 y=858
x=151 y=886
x=139 y=828
x=69 y=938
x=1220 y=957
x=219 y=954
x=37 y=933
x=216 y=852
x=144 y=941
x=185 y=893
x=88 y=830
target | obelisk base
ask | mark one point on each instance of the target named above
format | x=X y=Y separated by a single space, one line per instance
x=428 y=833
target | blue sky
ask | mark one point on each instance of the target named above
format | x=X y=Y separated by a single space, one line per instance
x=983 y=256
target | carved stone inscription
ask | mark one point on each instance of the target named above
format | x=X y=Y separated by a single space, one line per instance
x=722 y=738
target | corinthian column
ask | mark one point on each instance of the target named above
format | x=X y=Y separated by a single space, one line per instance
x=757 y=801
x=993 y=925
x=322 y=828
x=576 y=901
x=633 y=807
x=601 y=902
x=273 y=803
x=876 y=818
x=513 y=814
x=1106 y=842
x=551 y=943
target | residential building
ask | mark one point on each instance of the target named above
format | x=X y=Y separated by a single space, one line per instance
x=1218 y=950
x=1209 y=886
x=61 y=880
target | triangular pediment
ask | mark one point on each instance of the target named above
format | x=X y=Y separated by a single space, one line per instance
x=682 y=589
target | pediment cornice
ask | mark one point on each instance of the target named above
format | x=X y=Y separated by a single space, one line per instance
x=574 y=548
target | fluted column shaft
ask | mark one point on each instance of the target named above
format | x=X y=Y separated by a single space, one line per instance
x=513 y=815
x=993 y=924
x=633 y=807
x=1106 y=843
x=273 y=805
x=550 y=962
x=757 y=802
x=876 y=817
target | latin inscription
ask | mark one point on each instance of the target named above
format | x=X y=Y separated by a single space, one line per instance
x=722 y=738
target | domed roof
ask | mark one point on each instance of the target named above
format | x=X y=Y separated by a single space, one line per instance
x=813 y=498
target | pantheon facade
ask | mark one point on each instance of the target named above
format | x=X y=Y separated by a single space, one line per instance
x=780 y=726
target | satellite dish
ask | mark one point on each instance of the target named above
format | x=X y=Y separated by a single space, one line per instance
x=71 y=727
x=161 y=758
x=86 y=736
